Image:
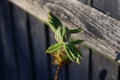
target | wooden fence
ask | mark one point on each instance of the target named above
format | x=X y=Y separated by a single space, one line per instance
x=24 y=39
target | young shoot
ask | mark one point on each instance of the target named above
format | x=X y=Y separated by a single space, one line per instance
x=64 y=51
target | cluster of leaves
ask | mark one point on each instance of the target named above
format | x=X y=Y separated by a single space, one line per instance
x=64 y=51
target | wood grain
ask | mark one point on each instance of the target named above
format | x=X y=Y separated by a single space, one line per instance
x=101 y=31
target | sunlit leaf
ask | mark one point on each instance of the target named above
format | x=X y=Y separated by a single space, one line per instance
x=70 y=54
x=54 y=47
x=58 y=34
x=65 y=33
x=62 y=34
x=73 y=53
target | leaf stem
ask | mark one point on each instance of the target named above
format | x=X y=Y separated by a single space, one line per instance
x=57 y=72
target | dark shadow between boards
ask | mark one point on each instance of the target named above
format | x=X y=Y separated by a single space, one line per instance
x=103 y=74
x=117 y=56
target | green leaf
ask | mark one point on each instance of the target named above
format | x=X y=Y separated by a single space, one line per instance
x=70 y=54
x=54 y=22
x=73 y=53
x=58 y=34
x=54 y=47
x=65 y=33
x=75 y=31
x=78 y=41
x=62 y=34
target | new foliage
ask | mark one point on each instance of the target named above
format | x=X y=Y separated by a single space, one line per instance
x=65 y=50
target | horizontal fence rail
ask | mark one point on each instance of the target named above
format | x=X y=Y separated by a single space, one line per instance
x=101 y=31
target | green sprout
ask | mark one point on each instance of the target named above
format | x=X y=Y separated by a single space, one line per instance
x=64 y=51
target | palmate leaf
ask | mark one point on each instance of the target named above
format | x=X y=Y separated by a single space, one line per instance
x=54 y=22
x=73 y=53
x=54 y=47
x=73 y=31
x=78 y=41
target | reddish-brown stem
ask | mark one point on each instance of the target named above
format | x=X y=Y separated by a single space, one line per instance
x=57 y=73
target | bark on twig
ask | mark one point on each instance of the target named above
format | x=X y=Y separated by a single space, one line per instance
x=57 y=73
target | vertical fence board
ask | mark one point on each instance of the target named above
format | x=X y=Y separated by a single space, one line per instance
x=7 y=41
x=39 y=45
x=52 y=41
x=103 y=68
x=111 y=7
x=81 y=71
x=22 y=44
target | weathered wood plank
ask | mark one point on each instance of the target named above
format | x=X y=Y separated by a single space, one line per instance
x=103 y=68
x=8 y=52
x=83 y=1
x=22 y=44
x=37 y=30
x=80 y=72
x=101 y=31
